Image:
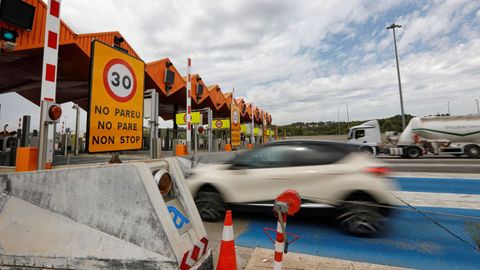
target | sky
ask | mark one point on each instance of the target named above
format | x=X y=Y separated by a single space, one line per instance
x=302 y=61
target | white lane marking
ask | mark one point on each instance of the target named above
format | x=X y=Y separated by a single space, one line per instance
x=447 y=200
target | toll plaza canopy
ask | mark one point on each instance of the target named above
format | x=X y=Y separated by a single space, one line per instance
x=21 y=71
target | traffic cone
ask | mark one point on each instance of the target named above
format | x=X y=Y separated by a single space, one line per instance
x=227 y=258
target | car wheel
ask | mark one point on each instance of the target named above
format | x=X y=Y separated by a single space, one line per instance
x=360 y=218
x=413 y=152
x=210 y=205
x=472 y=151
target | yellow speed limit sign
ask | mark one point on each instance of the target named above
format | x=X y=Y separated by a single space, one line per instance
x=115 y=111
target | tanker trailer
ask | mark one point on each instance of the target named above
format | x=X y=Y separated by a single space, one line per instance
x=437 y=135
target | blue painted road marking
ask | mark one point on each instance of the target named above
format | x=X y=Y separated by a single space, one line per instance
x=410 y=240
x=440 y=185
x=178 y=218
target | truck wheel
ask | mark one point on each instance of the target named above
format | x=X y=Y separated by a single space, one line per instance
x=413 y=152
x=472 y=151
x=367 y=149
x=210 y=205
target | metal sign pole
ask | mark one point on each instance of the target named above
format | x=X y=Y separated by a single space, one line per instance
x=153 y=123
x=42 y=137
x=210 y=130
x=188 y=105
x=77 y=131
x=253 y=127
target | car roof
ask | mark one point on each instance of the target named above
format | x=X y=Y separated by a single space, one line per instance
x=351 y=147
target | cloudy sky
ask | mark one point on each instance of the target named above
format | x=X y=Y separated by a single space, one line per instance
x=306 y=60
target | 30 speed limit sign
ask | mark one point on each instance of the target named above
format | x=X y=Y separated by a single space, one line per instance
x=119 y=80
x=115 y=112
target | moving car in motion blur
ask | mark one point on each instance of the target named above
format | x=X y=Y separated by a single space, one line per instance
x=326 y=174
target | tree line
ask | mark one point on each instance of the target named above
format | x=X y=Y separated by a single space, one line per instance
x=393 y=123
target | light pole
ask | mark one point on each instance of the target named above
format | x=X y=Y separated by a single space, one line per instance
x=448 y=106
x=478 y=108
x=393 y=26
x=348 y=117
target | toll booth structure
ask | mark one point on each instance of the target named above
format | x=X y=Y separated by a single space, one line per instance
x=21 y=69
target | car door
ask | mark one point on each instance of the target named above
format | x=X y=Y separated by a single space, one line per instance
x=319 y=171
x=261 y=174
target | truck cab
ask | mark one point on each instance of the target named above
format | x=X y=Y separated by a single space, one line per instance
x=366 y=134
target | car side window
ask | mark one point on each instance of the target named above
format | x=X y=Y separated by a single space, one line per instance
x=359 y=133
x=316 y=155
x=264 y=157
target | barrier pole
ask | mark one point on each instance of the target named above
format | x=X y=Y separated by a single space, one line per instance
x=280 y=242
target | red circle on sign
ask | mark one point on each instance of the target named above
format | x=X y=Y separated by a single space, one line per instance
x=107 y=86
x=218 y=123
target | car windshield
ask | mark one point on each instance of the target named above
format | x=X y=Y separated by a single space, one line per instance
x=264 y=156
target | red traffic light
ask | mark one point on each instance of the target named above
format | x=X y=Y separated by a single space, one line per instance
x=54 y=112
x=201 y=129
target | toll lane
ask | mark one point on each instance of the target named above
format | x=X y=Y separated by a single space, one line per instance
x=410 y=240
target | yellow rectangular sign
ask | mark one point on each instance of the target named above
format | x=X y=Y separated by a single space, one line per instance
x=115 y=111
x=255 y=131
x=235 y=125
x=244 y=128
x=221 y=123
x=181 y=117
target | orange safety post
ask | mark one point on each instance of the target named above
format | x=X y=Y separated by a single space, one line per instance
x=250 y=146
x=181 y=150
x=26 y=159
x=228 y=147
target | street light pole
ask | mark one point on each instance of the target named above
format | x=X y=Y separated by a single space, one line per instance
x=478 y=108
x=393 y=26
x=448 y=105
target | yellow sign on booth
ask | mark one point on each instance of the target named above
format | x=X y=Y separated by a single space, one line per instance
x=235 y=125
x=115 y=111
x=181 y=118
x=244 y=128
x=221 y=123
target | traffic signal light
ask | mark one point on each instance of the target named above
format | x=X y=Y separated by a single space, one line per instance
x=52 y=112
x=8 y=35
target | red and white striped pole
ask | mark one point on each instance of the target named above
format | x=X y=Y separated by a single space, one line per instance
x=189 y=105
x=287 y=203
x=279 y=243
x=50 y=51
x=49 y=83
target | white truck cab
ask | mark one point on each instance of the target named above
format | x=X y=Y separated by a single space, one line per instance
x=367 y=134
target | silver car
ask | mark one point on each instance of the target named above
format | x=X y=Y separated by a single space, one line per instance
x=325 y=174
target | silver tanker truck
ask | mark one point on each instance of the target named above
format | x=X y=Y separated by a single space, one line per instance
x=437 y=135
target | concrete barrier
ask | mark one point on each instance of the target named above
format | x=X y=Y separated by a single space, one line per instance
x=99 y=217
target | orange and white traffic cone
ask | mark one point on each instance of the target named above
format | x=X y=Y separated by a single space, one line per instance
x=227 y=258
